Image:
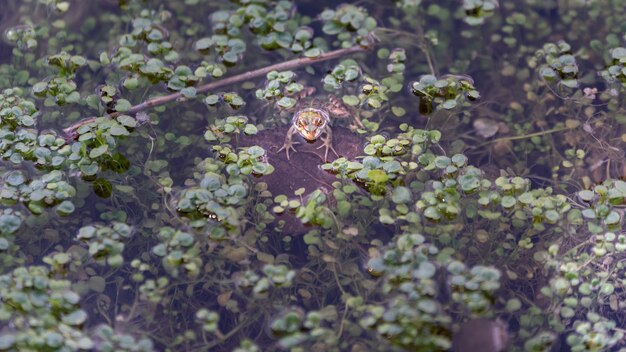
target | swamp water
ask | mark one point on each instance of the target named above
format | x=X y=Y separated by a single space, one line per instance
x=472 y=200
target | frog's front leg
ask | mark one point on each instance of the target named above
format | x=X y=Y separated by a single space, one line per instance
x=289 y=143
x=327 y=142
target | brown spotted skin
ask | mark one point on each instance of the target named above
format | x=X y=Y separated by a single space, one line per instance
x=312 y=121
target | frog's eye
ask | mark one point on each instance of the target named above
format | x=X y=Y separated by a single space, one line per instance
x=317 y=121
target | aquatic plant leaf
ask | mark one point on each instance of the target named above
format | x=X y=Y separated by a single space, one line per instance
x=77 y=317
x=401 y=194
x=9 y=224
x=102 y=187
x=98 y=151
x=65 y=208
x=6 y=341
x=15 y=178
x=122 y=105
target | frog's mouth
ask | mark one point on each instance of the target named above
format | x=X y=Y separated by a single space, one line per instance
x=311 y=136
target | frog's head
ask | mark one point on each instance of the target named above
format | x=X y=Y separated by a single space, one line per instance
x=310 y=122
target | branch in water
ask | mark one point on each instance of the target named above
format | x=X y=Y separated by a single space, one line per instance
x=70 y=132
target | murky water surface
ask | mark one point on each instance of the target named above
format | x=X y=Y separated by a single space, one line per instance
x=464 y=192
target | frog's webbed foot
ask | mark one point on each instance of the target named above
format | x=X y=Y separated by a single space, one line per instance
x=289 y=143
x=328 y=143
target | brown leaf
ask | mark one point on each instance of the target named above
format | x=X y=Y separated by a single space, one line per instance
x=223 y=298
x=485 y=127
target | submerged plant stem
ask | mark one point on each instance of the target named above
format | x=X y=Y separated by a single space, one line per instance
x=422 y=44
x=223 y=337
x=525 y=136
x=70 y=132
x=343 y=321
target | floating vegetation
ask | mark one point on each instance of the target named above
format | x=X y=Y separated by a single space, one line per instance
x=475 y=196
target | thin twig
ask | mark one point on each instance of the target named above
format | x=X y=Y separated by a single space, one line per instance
x=337 y=280
x=343 y=320
x=525 y=136
x=71 y=134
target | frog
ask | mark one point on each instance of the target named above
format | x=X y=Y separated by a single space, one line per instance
x=311 y=120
